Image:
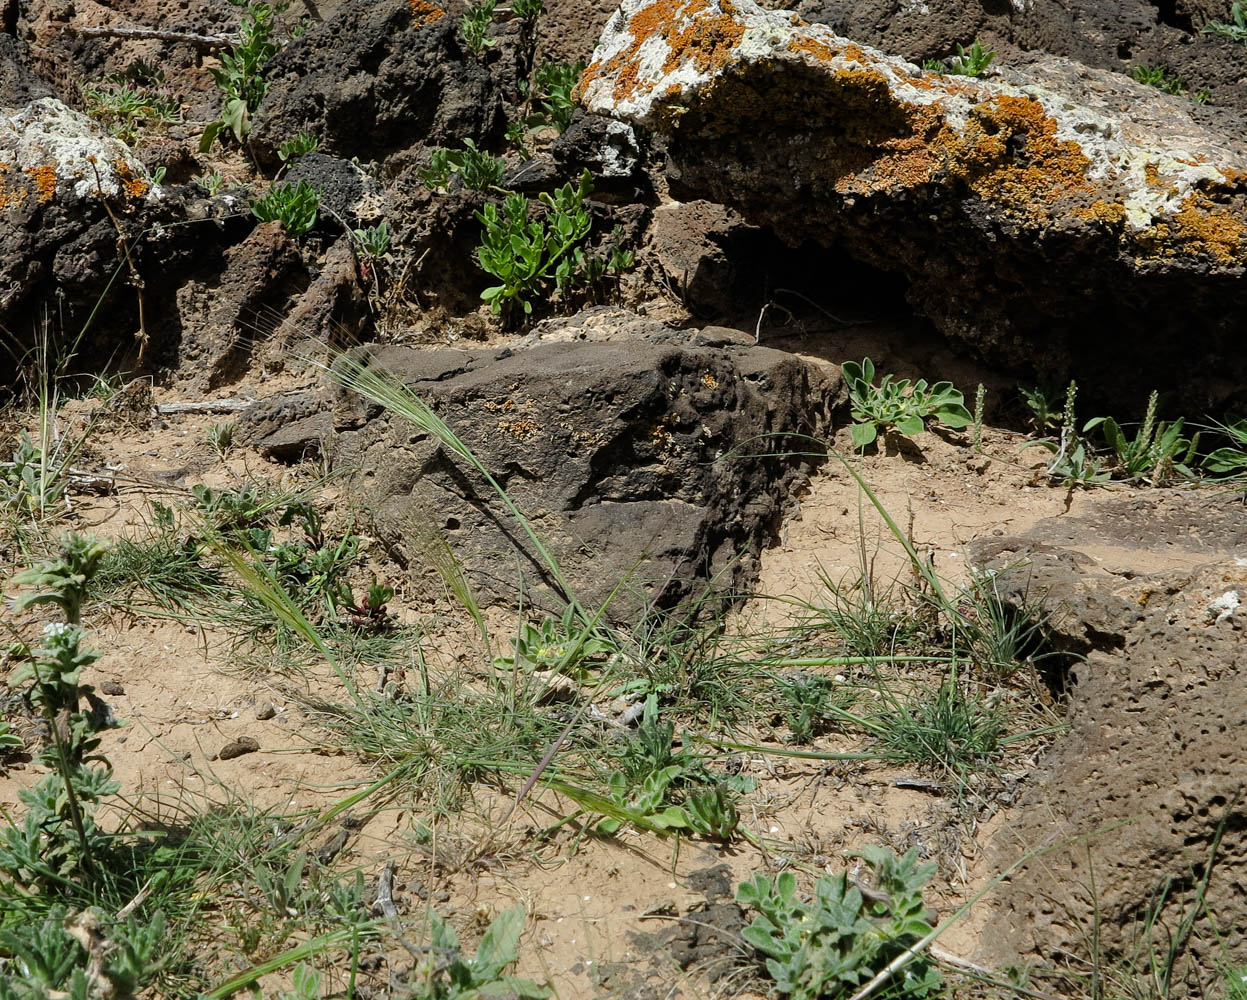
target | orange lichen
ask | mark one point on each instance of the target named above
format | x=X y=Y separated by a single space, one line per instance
x=814 y=46
x=134 y=187
x=1102 y=212
x=706 y=41
x=1217 y=232
x=1151 y=174
x=44 y=180
x=423 y=12
x=1009 y=154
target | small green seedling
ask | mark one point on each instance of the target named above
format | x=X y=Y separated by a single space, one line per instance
x=447 y=974
x=896 y=403
x=294 y=205
x=372 y=243
x=300 y=145
x=973 y=61
x=479 y=170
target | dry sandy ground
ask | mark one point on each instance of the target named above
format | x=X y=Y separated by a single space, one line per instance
x=603 y=910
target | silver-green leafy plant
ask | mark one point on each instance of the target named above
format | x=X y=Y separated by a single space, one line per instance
x=826 y=946
x=898 y=403
x=372 y=243
x=448 y=974
x=527 y=253
x=294 y=205
x=479 y=170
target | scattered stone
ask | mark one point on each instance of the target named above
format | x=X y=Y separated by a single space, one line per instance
x=265 y=711
x=239 y=747
x=111 y=688
x=631 y=457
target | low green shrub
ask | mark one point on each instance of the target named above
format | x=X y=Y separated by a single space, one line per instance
x=295 y=205
x=899 y=404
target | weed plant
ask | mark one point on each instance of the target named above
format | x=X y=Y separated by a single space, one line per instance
x=899 y=404
x=1235 y=29
x=474 y=26
x=300 y=145
x=828 y=946
x=294 y=205
x=478 y=170
x=240 y=77
x=127 y=103
x=974 y=61
x=554 y=85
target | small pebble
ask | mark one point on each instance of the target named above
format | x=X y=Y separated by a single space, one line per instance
x=111 y=687
x=265 y=711
x=240 y=746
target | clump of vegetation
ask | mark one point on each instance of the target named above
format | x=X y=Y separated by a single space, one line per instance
x=295 y=205
x=127 y=102
x=1159 y=453
x=1235 y=29
x=474 y=26
x=300 y=145
x=973 y=61
x=554 y=85
x=529 y=253
x=1231 y=460
x=898 y=404
x=1168 y=82
x=478 y=169
x=827 y=946
x=447 y=974
x=240 y=77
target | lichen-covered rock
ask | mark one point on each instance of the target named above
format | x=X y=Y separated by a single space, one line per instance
x=1116 y=35
x=60 y=175
x=1058 y=218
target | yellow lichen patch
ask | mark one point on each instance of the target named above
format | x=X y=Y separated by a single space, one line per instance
x=134 y=187
x=521 y=429
x=44 y=180
x=1103 y=212
x=709 y=381
x=1008 y=153
x=1151 y=174
x=423 y=12
x=706 y=41
x=1213 y=230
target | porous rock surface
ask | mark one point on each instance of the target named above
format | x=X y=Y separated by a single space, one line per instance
x=1057 y=218
x=1132 y=798
x=375 y=80
x=630 y=449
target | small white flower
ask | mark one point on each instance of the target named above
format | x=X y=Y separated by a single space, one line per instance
x=56 y=628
